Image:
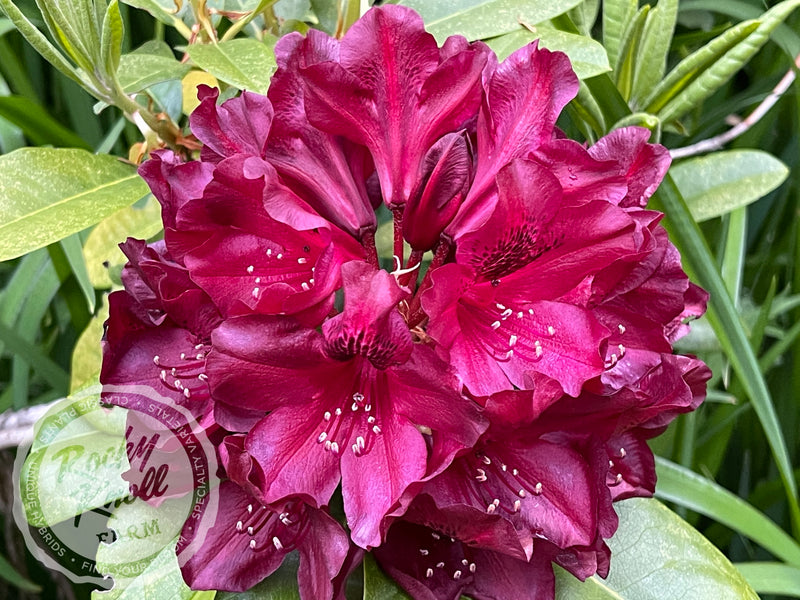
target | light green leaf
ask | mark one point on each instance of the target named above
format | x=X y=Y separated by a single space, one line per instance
x=718 y=183
x=10 y=574
x=772 y=578
x=629 y=52
x=656 y=555
x=138 y=71
x=87 y=356
x=715 y=76
x=652 y=60
x=37 y=39
x=686 y=488
x=617 y=15
x=584 y=16
x=478 y=19
x=111 y=39
x=695 y=64
x=47 y=194
x=102 y=246
x=244 y=63
x=377 y=586
x=587 y=56
x=166 y=12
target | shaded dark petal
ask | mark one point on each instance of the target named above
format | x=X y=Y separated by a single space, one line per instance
x=632 y=467
x=239 y=126
x=499 y=577
x=370 y=325
x=512 y=124
x=642 y=165
x=326 y=170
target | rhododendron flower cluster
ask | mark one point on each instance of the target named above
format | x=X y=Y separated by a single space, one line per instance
x=479 y=399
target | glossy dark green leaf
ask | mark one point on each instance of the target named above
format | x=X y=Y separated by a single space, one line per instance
x=377 y=585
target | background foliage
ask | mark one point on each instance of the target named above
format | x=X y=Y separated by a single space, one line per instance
x=85 y=81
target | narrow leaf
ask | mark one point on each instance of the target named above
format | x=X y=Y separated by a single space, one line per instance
x=724 y=319
x=111 y=40
x=772 y=578
x=684 y=487
x=656 y=38
x=73 y=250
x=37 y=124
x=616 y=16
x=10 y=574
x=718 y=183
x=723 y=69
x=41 y=363
x=47 y=194
x=629 y=52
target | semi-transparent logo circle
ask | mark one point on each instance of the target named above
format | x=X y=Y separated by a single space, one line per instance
x=115 y=490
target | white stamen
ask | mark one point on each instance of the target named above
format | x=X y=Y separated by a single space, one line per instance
x=277 y=543
x=322 y=437
x=481 y=476
x=376 y=430
x=512 y=340
x=521 y=493
x=255 y=292
x=199 y=357
x=496 y=502
x=517 y=505
x=507 y=313
x=202 y=377
x=301 y=261
x=238 y=525
x=551 y=330
x=622 y=453
x=252 y=544
x=500 y=306
x=621 y=350
x=354 y=406
x=368 y=407
x=327 y=445
x=423 y=551
x=457 y=575
x=429 y=573
x=334 y=447
x=358 y=397
x=187 y=393
x=496 y=324
x=515 y=472
x=491 y=508
x=486 y=460
x=621 y=328
x=520 y=314
x=250 y=269
x=537 y=489
x=440 y=565
x=250 y=508
x=258 y=279
x=250 y=531
x=156 y=359
x=472 y=567
x=269 y=251
x=360 y=443
x=338 y=412
x=464 y=562
x=183 y=356
x=436 y=536
x=327 y=415
x=280 y=256
x=305 y=286
x=370 y=419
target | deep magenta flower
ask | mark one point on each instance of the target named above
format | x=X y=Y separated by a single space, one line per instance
x=479 y=406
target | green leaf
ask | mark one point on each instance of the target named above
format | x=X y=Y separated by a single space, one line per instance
x=11 y=575
x=73 y=250
x=37 y=39
x=5 y=26
x=772 y=578
x=691 y=67
x=50 y=371
x=165 y=11
x=724 y=319
x=716 y=75
x=101 y=249
x=686 y=488
x=718 y=183
x=87 y=355
x=47 y=194
x=111 y=39
x=377 y=586
x=478 y=19
x=588 y=57
x=244 y=63
x=654 y=47
x=616 y=17
x=629 y=52
x=138 y=71
x=37 y=124
x=656 y=555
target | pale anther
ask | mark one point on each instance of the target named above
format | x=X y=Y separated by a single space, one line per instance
x=277 y=543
